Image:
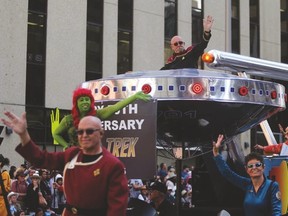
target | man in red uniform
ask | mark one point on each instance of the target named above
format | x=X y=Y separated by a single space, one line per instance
x=280 y=148
x=94 y=180
x=188 y=58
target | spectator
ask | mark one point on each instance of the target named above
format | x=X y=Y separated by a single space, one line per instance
x=45 y=186
x=188 y=58
x=33 y=192
x=4 y=205
x=58 y=197
x=281 y=148
x=185 y=172
x=170 y=195
x=14 y=205
x=135 y=185
x=144 y=195
x=262 y=196
x=171 y=181
x=95 y=182
x=162 y=173
x=186 y=199
x=20 y=186
x=31 y=171
x=12 y=172
x=20 y=213
x=158 y=192
x=39 y=212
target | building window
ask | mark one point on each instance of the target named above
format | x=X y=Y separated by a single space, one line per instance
x=125 y=36
x=254 y=29
x=36 y=49
x=235 y=27
x=39 y=125
x=170 y=25
x=94 y=39
x=284 y=31
x=35 y=71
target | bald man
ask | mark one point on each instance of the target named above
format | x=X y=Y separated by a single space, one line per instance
x=188 y=58
x=94 y=180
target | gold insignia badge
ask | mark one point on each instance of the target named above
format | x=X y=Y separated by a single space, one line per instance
x=278 y=195
x=74 y=210
x=96 y=172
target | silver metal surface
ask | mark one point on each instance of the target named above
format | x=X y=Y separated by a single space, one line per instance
x=177 y=84
x=218 y=108
x=269 y=136
x=253 y=66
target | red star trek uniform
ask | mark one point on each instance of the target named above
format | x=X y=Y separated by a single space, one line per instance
x=276 y=149
x=97 y=186
x=188 y=58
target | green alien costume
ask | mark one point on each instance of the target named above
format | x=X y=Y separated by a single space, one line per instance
x=83 y=105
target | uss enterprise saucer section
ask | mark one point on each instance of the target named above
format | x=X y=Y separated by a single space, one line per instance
x=195 y=105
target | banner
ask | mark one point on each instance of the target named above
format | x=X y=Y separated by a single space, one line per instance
x=130 y=135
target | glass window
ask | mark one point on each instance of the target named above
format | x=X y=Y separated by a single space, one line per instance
x=35 y=88
x=125 y=36
x=170 y=18
x=94 y=52
x=38 y=5
x=95 y=11
x=36 y=38
x=94 y=39
x=36 y=49
x=254 y=29
x=235 y=27
x=39 y=124
x=125 y=14
x=124 y=51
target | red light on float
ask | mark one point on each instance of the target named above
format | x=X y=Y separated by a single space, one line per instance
x=273 y=94
x=208 y=58
x=285 y=97
x=243 y=91
x=105 y=90
x=197 y=88
x=146 y=88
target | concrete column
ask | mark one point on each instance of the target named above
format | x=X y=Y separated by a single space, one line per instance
x=110 y=37
x=217 y=11
x=244 y=28
x=270 y=39
x=13 y=51
x=185 y=20
x=66 y=50
x=148 y=35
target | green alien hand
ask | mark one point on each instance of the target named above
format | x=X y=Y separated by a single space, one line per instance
x=142 y=96
x=106 y=112
x=55 y=123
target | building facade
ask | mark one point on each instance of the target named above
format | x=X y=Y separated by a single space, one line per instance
x=49 y=47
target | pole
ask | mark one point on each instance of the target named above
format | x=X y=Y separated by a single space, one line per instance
x=178 y=183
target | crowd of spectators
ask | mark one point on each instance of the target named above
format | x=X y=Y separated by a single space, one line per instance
x=28 y=184
x=167 y=175
x=35 y=191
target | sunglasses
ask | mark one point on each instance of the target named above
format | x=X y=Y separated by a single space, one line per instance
x=178 y=43
x=258 y=164
x=88 y=131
